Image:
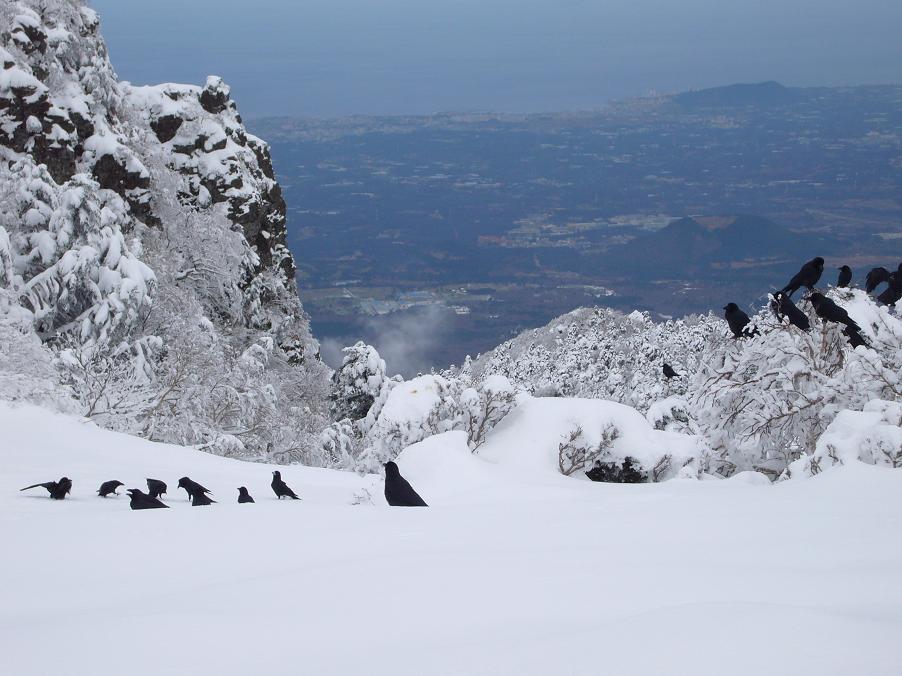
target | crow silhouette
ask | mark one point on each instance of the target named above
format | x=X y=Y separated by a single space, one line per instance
x=738 y=321
x=829 y=311
x=156 y=488
x=280 y=488
x=244 y=496
x=875 y=278
x=807 y=276
x=398 y=492
x=845 y=277
x=141 y=500
x=893 y=292
x=192 y=488
x=669 y=372
x=109 y=488
x=200 y=499
x=782 y=306
x=58 y=489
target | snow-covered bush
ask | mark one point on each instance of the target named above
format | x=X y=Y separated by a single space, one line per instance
x=872 y=436
x=357 y=383
x=602 y=354
x=484 y=406
x=763 y=402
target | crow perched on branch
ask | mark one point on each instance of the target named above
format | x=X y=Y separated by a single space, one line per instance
x=845 y=277
x=141 y=500
x=669 y=372
x=109 y=488
x=875 y=278
x=807 y=276
x=782 y=306
x=738 y=321
x=58 y=489
x=892 y=293
x=280 y=488
x=398 y=492
x=829 y=311
x=156 y=488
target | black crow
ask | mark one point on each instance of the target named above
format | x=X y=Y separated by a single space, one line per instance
x=57 y=489
x=399 y=493
x=892 y=293
x=807 y=276
x=244 y=496
x=280 y=488
x=875 y=278
x=156 y=488
x=109 y=488
x=782 y=306
x=141 y=500
x=855 y=338
x=669 y=372
x=829 y=311
x=738 y=321
x=192 y=488
x=200 y=499
x=845 y=277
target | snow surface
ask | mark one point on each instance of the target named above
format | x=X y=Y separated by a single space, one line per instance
x=505 y=573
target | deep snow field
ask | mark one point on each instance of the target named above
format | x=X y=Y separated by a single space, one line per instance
x=508 y=572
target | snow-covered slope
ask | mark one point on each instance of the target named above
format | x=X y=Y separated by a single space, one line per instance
x=504 y=574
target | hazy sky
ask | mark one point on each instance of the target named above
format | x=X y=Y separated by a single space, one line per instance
x=339 y=57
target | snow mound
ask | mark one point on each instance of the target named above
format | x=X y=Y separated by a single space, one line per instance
x=531 y=437
x=872 y=436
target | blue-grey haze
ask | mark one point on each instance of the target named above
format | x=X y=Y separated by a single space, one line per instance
x=340 y=57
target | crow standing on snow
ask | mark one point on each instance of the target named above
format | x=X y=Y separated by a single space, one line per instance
x=57 y=489
x=156 y=488
x=845 y=277
x=669 y=372
x=829 y=311
x=141 y=500
x=192 y=488
x=807 y=276
x=109 y=488
x=892 y=293
x=875 y=278
x=244 y=496
x=280 y=488
x=200 y=499
x=738 y=321
x=782 y=306
x=399 y=493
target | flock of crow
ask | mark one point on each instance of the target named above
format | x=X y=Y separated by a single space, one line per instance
x=782 y=306
x=398 y=492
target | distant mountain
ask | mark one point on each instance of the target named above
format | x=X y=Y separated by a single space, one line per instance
x=760 y=94
x=701 y=242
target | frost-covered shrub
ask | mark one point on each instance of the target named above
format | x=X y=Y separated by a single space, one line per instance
x=763 y=402
x=357 y=383
x=575 y=452
x=484 y=406
x=872 y=436
x=601 y=353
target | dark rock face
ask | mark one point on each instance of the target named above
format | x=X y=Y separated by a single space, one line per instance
x=629 y=472
x=166 y=127
x=215 y=96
